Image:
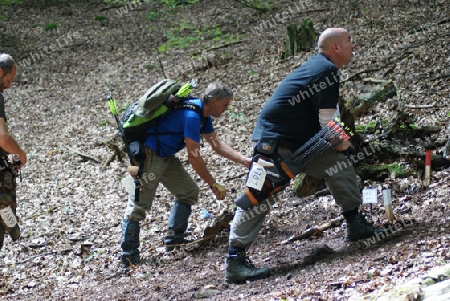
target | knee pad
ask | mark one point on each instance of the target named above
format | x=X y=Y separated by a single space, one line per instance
x=276 y=178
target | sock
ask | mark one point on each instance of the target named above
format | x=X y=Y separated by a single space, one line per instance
x=350 y=215
x=232 y=250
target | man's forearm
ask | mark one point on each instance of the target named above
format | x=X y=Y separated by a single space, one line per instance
x=200 y=168
x=9 y=144
x=227 y=152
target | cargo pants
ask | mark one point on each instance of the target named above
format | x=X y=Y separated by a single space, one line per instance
x=333 y=166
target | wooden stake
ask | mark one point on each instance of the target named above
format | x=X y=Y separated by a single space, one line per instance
x=388 y=204
x=427 y=167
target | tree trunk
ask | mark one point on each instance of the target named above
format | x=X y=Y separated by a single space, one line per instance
x=299 y=39
x=360 y=105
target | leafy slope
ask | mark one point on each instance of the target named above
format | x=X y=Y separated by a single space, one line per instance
x=71 y=208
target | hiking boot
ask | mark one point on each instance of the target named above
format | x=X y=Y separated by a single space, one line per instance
x=130 y=243
x=15 y=233
x=176 y=242
x=127 y=261
x=358 y=228
x=239 y=269
x=177 y=225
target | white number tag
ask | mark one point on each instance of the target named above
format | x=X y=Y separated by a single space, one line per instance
x=256 y=177
x=370 y=196
x=8 y=217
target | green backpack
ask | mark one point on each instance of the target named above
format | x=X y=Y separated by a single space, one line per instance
x=158 y=101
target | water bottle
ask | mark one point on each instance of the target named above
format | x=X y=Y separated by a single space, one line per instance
x=205 y=214
x=128 y=184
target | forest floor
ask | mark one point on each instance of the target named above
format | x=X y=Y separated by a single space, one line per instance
x=70 y=205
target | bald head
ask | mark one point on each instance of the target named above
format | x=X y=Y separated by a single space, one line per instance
x=330 y=36
x=337 y=45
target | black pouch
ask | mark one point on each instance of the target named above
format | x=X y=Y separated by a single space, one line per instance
x=8 y=179
x=267 y=148
x=137 y=152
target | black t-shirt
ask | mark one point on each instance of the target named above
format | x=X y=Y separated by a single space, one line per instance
x=291 y=114
x=2 y=106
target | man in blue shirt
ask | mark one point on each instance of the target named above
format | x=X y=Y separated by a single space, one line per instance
x=304 y=102
x=176 y=130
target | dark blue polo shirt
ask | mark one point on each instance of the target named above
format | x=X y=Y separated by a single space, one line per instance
x=291 y=114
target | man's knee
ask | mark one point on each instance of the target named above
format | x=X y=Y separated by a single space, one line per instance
x=191 y=196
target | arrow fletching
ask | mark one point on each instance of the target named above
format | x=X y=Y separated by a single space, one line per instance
x=187 y=88
x=112 y=105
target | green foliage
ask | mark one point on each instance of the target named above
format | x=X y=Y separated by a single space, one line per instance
x=9 y=2
x=100 y=18
x=299 y=39
x=237 y=116
x=153 y=15
x=409 y=127
x=122 y=1
x=175 y=3
x=51 y=26
x=102 y=123
x=448 y=114
x=370 y=127
x=186 y=35
x=397 y=170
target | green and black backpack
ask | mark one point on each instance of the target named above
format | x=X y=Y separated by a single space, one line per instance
x=159 y=100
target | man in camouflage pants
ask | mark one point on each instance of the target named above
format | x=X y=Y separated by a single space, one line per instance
x=8 y=145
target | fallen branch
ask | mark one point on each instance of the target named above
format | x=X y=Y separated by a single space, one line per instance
x=374 y=80
x=360 y=105
x=219 y=46
x=391 y=62
x=313 y=231
x=441 y=77
x=221 y=222
x=443 y=21
x=162 y=67
x=226 y=180
x=424 y=42
x=109 y=160
x=117 y=152
x=236 y=177
x=397 y=59
x=252 y=5
x=420 y=106
x=84 y=156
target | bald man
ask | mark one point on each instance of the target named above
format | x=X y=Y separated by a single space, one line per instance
x=8 y=145
x=303 y=103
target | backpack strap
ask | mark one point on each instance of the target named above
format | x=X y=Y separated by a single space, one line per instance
x=185 y=105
